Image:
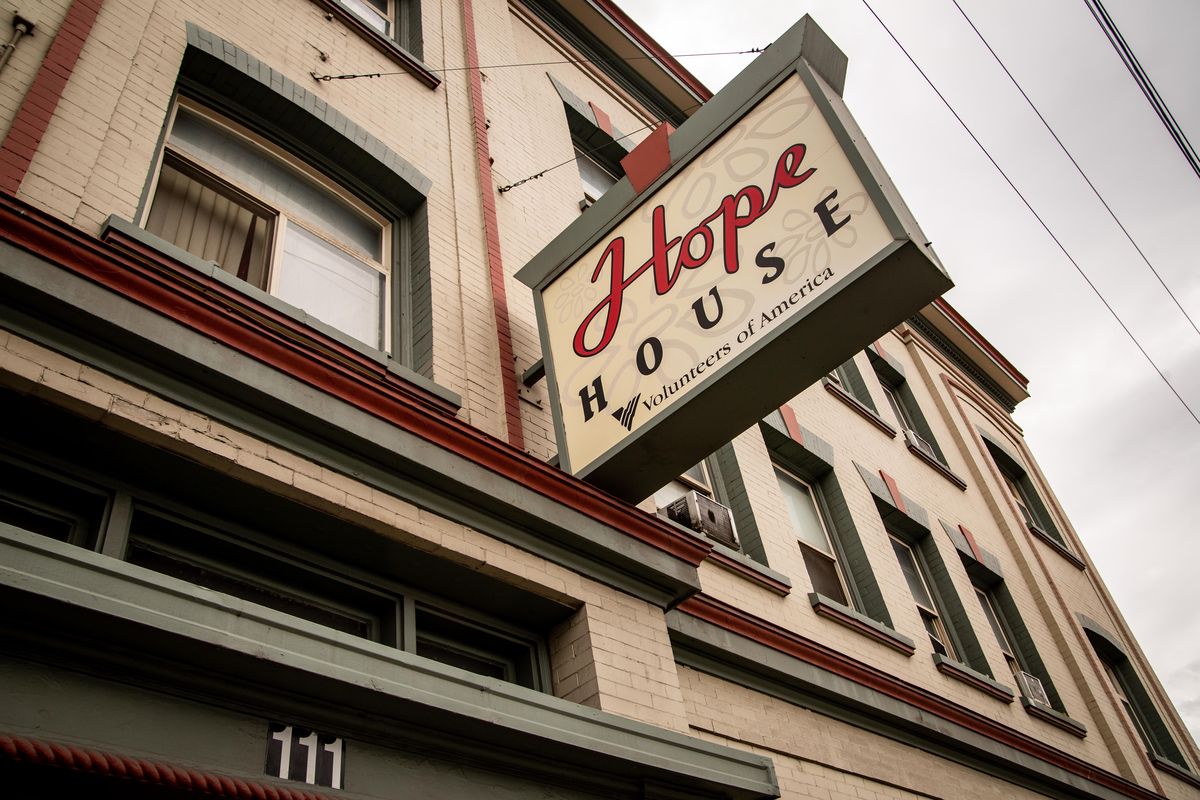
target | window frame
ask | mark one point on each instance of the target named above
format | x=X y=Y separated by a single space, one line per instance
x=835 y=554
x=703 y=484
x=1132 y=697
x=392 y=228
x=402 y=16
x=1001 y=630
x=1140 y=725
x=581 y=156
x=86 y=525
x=929 y=616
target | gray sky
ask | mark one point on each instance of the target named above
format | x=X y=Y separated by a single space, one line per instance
x=1119 y=449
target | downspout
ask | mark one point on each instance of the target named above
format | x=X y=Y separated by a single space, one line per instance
x=21 y=27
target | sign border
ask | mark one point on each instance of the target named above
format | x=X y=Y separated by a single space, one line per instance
x=804 y=50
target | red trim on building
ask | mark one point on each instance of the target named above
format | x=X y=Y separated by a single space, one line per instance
x=603 y=122
x=983 y=343
x=650 y=159
x=491 y=227
x=970 y=537
x=34 y=114
x=894 y=491
x=766 y=633
x=791 y=423
x=172 y=779
x=879 y=348
x=254 y=329
x=635 y=32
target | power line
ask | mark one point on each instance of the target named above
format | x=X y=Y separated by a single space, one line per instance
x=1036 y=216
x=352 y=76
x=1078 y=168
x=1134 y=67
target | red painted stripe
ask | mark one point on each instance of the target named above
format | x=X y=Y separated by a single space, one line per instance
x=491 y=224
x=651 y=158
x=602 y=119
x=129 y=770
x=229 y=317
x=769 y=634
x=33 y=116
x=970 y=537
x=894 y=491
x=791 y=423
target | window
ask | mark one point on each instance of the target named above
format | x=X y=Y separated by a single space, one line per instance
x=1019 y=495
x=226 y=195
x=1033 y=512
x=697 y=479
x=847 y=378
x=812 y=536
x=691 y=500
x=50 y=505
x=397 y=20
x=597 y=178
x=998 y=630
x=918 y=586
x=909 y=417
x=903 y=403
x=1131 y=711
x=376 y=13
x=340 y=598
x=1132 y=697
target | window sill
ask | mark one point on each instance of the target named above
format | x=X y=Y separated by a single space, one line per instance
x=964 y=673
x=1056 y=718
x=1056 y=545
x=413 y=65
x=844 y=615
x=858 y=407
x=938 y=466
x=1176 y=770
x=738 y=562
x=748 y=568
x=255 y=307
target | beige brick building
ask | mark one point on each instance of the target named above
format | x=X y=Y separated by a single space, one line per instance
x=279 y=514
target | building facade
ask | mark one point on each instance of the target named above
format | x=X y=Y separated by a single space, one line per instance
x=279 y=514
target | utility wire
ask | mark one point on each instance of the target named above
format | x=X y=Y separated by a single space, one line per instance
x=1078 y=168
x=593 y=151
x=536 y=64
x=1036 y=216
x=1143 y=81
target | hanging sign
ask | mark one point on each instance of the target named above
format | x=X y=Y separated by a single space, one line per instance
x=771 y=249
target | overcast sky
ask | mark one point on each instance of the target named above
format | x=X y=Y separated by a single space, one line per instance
x=1121 y=452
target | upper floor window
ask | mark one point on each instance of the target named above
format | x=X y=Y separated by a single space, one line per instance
x=596 y=178
x=918 y=586
x=396 y=20
x=813 y=538
x=226 y=195
x=1020 y=496
x=379 y=14
x=1132 y=696
x=904 y=406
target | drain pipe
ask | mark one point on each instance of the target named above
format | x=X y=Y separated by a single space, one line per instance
x=21 y=27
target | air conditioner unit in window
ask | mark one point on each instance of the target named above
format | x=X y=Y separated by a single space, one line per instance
x=1031 y=687
x=915 y=441
x=705 y=515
